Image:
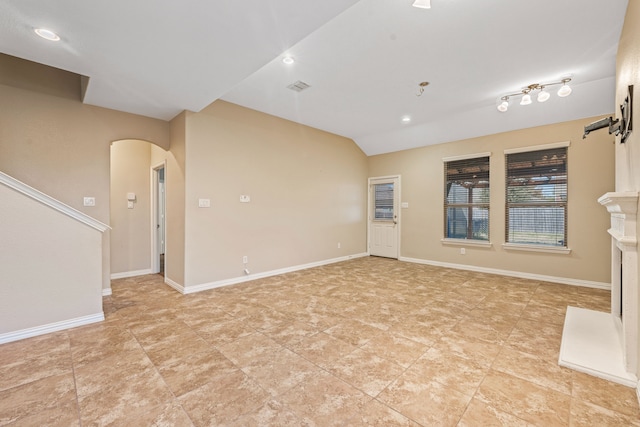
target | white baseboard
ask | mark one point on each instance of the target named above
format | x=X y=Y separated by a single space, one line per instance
x=106 y=292
x=236 y=280
x=51 y=327
x=126 y=274
x=174 y=285
x=521 y=275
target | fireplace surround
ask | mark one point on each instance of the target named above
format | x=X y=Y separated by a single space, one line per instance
x=623 y=208
x=606 y=344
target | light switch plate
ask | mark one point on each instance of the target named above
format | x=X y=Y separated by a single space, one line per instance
x=89 y=201
x=244 y=198
x=204 y=203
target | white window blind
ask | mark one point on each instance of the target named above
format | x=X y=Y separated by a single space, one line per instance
x=536 y=197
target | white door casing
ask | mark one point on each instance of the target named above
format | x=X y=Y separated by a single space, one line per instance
x=384 y=216
x=158 y=230
x=161 y=214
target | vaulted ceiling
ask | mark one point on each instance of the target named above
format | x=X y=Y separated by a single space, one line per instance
x=363 y=60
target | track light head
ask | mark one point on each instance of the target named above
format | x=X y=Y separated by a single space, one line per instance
x=504 y=105
x=565 y=90
x=543 y=95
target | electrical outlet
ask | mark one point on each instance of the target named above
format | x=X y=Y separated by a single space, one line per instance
x=89 y=201
x=245 y=259
x=339 y=245
x=463 y=251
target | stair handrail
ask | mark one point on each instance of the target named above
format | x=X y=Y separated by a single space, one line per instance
x=47 y=200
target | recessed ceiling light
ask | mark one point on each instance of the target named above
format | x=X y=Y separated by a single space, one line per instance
x=47 y=34
x=288 y=60
x=422 y=4
x=406 y=119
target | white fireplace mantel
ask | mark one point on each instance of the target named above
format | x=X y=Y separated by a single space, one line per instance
x=623 y=201
x=623 y=207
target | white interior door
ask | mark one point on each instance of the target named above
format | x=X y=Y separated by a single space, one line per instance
x=384 y=221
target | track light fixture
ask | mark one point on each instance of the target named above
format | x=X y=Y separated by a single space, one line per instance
x=543 y=95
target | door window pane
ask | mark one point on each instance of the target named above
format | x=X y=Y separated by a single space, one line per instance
x=383 y=201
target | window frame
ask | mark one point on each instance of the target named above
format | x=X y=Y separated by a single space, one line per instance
x=537 y=247
x=446 y=161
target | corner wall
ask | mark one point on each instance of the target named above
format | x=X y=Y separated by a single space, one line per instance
x=175 y=203
x=307 y=189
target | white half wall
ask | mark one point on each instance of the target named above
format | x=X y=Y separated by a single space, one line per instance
x=50 y=264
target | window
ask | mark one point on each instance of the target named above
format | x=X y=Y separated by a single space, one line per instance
x=536 y=199
x=383 y=202
x=466 y=198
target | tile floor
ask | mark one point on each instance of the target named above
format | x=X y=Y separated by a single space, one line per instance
x=368 y=342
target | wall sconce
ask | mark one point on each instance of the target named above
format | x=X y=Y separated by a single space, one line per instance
x=543 y=95
x=622 y=126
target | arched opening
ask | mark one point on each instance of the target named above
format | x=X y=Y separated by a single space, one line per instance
x=137 y=208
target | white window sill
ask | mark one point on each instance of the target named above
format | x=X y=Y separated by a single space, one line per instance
x=467 y=242
x=537 y=248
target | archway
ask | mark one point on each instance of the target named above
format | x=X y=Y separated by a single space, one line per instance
x=137 y=176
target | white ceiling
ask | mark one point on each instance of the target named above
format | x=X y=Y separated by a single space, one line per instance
x=363 y=60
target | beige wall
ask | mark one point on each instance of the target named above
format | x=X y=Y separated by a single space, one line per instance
x=61 y=147
x=131 y=228
x=24 y=74
x=591 y=174
x=175 y=202
x=628 y=73
x=50 y=264
x=158 y=155
x=307 y=187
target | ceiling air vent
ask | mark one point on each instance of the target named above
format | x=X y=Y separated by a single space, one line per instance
x=298 y=86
